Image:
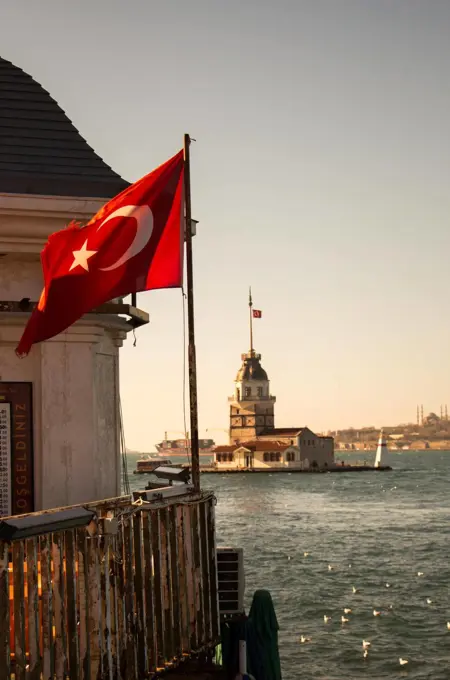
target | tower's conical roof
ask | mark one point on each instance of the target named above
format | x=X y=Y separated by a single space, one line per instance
x=251 y=368
x=41 y=152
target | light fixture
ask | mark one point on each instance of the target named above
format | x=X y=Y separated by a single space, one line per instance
x=163 y=493
x=14 y=529
x=151 y=486
x=173 y=474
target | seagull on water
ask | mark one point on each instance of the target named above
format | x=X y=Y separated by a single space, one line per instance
x=420 y=573
x=304 y=639
x=366 y=653
x=448 y=625
x=403 y=662
x=376 y=612
x=354 y=590
x=365 y=644
x=388 y=585
x=330 y=567
x=344 y=620
x=326 y=618
x=429 y=601
x=305 y=554
x=347 y=610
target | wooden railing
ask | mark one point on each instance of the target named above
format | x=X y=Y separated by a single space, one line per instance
x=129 y=595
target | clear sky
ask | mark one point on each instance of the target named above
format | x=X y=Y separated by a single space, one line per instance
x=321 y=177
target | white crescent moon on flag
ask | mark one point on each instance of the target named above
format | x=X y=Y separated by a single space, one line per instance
x=144 y=229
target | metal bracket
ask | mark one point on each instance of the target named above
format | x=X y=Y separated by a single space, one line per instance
x=137 y=317
x=108 y=526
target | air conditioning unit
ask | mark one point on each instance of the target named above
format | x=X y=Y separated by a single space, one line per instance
x=230 y=569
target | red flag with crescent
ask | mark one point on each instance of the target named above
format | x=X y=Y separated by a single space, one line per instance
x=134 y=243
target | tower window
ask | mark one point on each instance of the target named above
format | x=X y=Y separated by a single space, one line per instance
x=260 y=391
x=248 y=391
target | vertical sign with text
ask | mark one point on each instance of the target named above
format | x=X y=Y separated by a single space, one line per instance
x=18 y=397
x=5 y=459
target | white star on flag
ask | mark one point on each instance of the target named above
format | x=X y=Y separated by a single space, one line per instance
x=81 y=257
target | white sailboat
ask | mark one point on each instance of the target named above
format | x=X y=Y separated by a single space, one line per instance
x=381 y=451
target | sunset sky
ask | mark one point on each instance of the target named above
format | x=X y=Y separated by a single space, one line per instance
x=320 y=177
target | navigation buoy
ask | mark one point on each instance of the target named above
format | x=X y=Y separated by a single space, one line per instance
x=381 y=451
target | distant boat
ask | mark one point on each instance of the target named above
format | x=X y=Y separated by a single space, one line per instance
x=148 y=464
x=182 y=447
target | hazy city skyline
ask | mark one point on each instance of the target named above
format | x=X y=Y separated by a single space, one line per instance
x=319 y=177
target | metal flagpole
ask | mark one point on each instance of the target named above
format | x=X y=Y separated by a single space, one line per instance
x=250 y=305
x=192 y=361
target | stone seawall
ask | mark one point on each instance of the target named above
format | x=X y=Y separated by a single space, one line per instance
x=286 y=470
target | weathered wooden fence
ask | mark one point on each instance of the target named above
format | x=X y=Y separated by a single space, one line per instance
x=131 y=594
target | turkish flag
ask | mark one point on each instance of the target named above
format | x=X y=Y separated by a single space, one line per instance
x=134 y=243
x=257 y=313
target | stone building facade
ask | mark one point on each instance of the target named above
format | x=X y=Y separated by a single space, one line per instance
x=65 y=393
x=252 y=405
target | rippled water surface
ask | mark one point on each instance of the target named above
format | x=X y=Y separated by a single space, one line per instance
x=374 y=529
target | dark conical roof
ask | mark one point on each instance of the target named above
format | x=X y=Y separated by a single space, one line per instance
x=251 y=368
x=41 y=152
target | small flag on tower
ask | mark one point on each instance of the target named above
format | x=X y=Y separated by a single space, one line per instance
x=257 y=313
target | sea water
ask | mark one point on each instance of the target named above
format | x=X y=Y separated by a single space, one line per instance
x=377 y=531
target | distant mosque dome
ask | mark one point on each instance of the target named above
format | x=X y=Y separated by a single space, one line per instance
x=251 y=368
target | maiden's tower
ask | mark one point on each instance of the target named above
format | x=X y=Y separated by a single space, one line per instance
x=254 y=441
x=252 y=405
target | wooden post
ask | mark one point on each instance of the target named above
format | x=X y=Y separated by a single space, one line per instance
x=18 y=559
x=33 y=610
x=5 y=635
x=191 y=330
